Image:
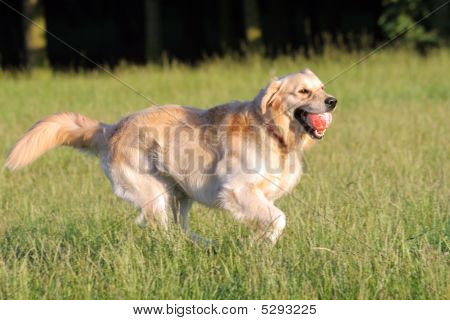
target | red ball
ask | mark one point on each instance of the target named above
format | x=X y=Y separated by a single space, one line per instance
x=319 y=121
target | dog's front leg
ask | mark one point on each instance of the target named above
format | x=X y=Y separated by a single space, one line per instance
x=248 y=204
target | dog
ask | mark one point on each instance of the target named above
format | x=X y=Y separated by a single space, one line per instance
x=240 y=156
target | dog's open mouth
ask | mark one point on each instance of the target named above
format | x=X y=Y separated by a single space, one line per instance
x=315 y=124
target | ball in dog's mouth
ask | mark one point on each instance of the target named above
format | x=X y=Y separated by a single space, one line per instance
x=315 y=124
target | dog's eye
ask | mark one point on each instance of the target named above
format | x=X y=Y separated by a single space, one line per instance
x=304 y=91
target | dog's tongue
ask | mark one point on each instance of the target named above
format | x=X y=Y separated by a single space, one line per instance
x=319 y=121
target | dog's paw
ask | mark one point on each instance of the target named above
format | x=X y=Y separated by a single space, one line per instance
x=141 y=221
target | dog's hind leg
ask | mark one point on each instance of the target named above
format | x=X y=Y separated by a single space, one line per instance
x=182 y=205
x=151 y=194
x=154 y=209
x=180 y=210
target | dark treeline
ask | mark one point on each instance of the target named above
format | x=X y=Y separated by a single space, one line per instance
x=140 y=31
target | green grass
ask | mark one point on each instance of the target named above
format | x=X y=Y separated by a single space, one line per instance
x=372 y=223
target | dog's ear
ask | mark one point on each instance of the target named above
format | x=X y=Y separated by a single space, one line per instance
x=307 y=71
x=270 y=94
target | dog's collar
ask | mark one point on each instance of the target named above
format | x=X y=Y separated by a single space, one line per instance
x=275 y=133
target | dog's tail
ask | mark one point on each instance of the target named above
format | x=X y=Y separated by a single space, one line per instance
x=67 y=128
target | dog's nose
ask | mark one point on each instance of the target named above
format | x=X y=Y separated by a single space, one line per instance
x=331 y=102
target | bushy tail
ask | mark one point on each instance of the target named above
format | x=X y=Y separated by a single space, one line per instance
x=67 y=128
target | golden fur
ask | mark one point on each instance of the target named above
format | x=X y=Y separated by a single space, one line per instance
x=240 y=156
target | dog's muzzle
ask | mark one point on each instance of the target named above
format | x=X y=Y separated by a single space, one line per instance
x=315 y=124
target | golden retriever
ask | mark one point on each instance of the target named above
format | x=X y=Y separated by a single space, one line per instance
x=239 y=156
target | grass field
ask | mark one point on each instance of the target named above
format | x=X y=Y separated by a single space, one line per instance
x=370 y=218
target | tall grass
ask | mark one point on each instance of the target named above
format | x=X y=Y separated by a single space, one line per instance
x=369 y=220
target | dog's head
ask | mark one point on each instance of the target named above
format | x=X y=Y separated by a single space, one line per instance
x=293 y=100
